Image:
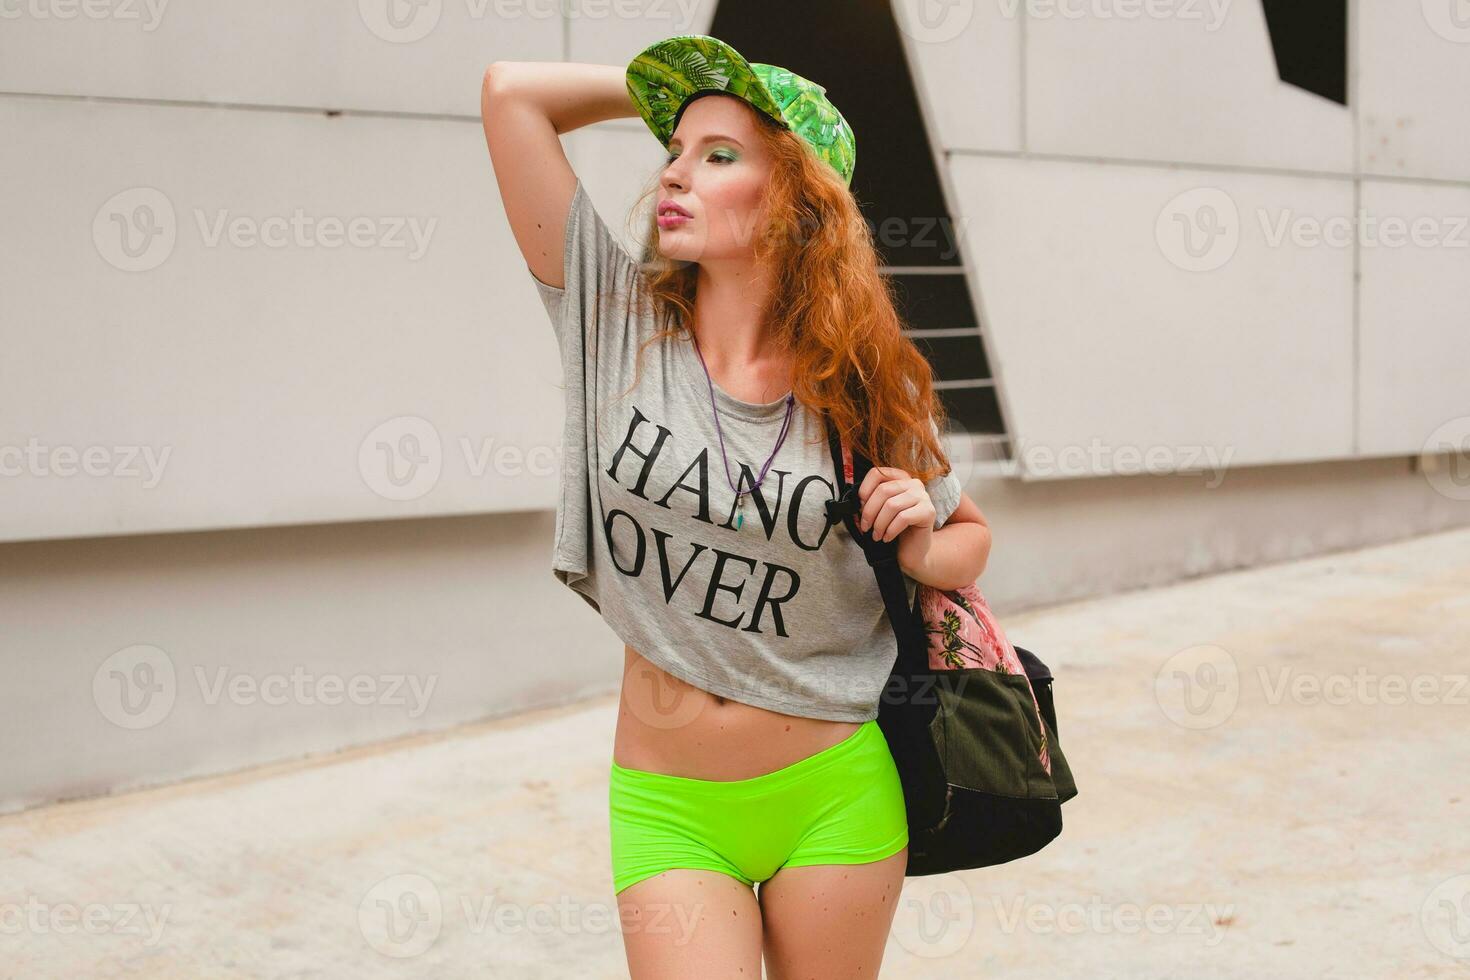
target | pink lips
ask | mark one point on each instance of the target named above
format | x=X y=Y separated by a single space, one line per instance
x=671 y=215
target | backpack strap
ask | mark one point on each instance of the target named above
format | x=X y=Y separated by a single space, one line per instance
x=850 y=467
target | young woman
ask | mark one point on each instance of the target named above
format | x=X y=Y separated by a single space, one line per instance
x=692 y=513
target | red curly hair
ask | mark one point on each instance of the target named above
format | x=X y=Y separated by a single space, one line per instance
x=831 y=310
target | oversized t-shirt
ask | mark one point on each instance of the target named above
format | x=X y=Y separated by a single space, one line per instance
x=783 y=612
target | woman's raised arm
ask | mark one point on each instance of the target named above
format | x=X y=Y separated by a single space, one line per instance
x=526 y=106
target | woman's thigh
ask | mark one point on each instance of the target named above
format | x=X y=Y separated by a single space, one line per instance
x=830 y=920
x=687 y=922
x=828 y=910
x=827 y=836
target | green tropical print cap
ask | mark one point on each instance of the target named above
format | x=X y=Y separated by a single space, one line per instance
x=665 y=74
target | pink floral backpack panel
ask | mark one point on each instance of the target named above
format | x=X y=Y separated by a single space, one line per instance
x=962 y=630
x=964 y=634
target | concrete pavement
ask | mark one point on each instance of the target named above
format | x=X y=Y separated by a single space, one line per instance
x=1273 y=769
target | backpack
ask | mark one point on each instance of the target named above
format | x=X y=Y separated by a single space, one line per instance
x=969 y=718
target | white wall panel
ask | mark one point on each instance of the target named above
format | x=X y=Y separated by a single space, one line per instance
x=1103 y=328
x=611 y=33
x=967 y=74
x=1188 y=87
x=259 y=370
x=601 y=35
x=1415 y=73
x=376 y=55
x=1415 y=315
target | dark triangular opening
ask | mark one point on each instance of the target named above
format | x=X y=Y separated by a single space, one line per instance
x=858 y=56
x=1309 y=39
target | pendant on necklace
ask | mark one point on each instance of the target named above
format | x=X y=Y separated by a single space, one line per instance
x=739 y=511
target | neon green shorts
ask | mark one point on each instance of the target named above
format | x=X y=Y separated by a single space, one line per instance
x=843 y=805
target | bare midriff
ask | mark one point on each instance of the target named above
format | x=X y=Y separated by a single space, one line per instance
x=669 y=726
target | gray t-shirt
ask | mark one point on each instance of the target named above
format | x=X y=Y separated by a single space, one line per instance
x=784 y=612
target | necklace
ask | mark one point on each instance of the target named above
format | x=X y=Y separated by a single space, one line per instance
x=785 y=424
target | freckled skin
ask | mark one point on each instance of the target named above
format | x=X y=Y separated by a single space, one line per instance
x=821 y=920
x=714 y=737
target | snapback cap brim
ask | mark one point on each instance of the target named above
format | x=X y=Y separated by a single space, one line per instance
x=664 y=75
